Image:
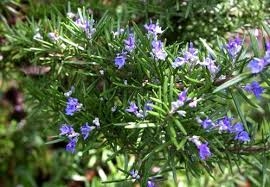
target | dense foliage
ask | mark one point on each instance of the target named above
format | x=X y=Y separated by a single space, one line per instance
x=136 y=93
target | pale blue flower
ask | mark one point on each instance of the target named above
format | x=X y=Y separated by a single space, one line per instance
x=158 y=51
x=204 y=151
x=256 y=65
x=254 y=88
x=120 y=60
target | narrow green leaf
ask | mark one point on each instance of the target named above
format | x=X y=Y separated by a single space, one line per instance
x=165 y=90
x=173 y=165
x=140 y=125
x=114 y=181
x=194 y=80
x=266 y=28
x=156 y=114
x=171 y=88
x=209 y=49
x=254 y=45
x=180 y=126
x=159 y=109
x=232 y=82
x=156 y=100
x=71 y=43
x=157 y=149
x=54 y=141
x=265 y=76
x=238 y=108
x=182 y=143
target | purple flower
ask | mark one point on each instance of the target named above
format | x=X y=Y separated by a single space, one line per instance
x=225 y=124
x=211 y=66
x=66 y=130
x=191 y=53
x=157 y=50
x=120 y=60
x=194 y=102
x=132 y=108
x=153 y=29
x=179 y=61
x=72 y=106
x=134 y=174
x=267 y=46
x=138 y=112
x=130 y=43
x=204 y=151
x=256 y=65
x=266 y=58
x=238 y=127
x=195 y=140
x=175 y=105
x=207 y=123
x=85 y=130
x=242 y=136
x=183 y=96
x=254 y=88
x=81 y=23
x=86 y=26
x=148 y=106
x=234 y=46
x=150 y=183
x=71 y=146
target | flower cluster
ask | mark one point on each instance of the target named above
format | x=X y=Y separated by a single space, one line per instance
x=182 y=99
x=225 y=125
x=189 y=56
x=73 y=106
x=153 y=29
x=130 y=43
x=234 y=46
x=129 y=46
x=67 y=130
x=134 y=174
x=209 y=63
x=157 y=45
x=157 y=50
x=140 y=113
x=203 y=148
x=87 y=25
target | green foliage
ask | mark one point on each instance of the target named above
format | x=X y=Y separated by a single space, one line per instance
x=123 y=142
